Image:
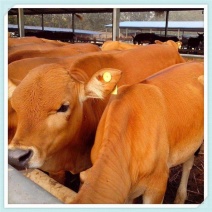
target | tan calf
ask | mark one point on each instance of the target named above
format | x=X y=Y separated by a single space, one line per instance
x=52 y=51
x=145 y=130
x=117 y=45
x=23 y=40
x=177 y=44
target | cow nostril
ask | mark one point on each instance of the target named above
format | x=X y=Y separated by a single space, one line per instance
x=25 y=156
x=19 y=158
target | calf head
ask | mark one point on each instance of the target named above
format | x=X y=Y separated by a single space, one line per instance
x=49 y=106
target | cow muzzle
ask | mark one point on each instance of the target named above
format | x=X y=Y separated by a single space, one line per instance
x=19 y=158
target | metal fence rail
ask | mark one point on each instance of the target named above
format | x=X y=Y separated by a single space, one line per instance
x=192 y=56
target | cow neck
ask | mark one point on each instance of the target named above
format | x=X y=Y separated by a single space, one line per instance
x=103 y=184
x=92 y=112
x=73 y=159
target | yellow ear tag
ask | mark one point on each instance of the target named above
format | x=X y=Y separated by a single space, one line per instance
x=107 y=76
x=115 y=91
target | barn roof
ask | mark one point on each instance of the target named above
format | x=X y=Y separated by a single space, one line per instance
x=158 y=25
x=35 y=11
x=55 y=29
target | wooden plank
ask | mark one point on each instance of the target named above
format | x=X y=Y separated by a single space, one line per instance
x=58 y=190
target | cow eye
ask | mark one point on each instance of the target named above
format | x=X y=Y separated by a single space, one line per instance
x=63 y=108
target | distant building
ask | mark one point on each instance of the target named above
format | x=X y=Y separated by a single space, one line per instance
x=63 y=32
x=179 y=27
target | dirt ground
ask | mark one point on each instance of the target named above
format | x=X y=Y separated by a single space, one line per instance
x=195 y=183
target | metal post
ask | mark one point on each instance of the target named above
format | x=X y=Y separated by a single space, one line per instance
x=116 y=17
x=126 y=32
x=42 y=23
x=167 y=20
x=73 y=22
x=21 y=22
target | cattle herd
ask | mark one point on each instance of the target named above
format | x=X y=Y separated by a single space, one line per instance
x=120 y=115
x=191 y=44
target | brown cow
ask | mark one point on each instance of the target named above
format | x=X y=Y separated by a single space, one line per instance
x=58 y=51
x=12 y=42
x=58 y=111
x=117 y=45
x=144 y=131
x=176 y=44
x=23 y=40
x=33 y=46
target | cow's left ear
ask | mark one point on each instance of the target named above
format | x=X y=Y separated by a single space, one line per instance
x=11 y=88
x=101 y=84
x=201 y=79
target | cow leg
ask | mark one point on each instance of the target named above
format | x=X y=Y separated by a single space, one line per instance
x=156 y=189
x=154 y=196
x=182 y=190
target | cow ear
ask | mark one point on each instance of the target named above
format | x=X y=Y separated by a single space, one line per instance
x=11 y=88
x=176 y=45
x=101 y=84
x=158 y=42
x=201 y=79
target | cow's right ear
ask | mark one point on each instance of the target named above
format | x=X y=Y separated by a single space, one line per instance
x=11 y=88
x=101 y=84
